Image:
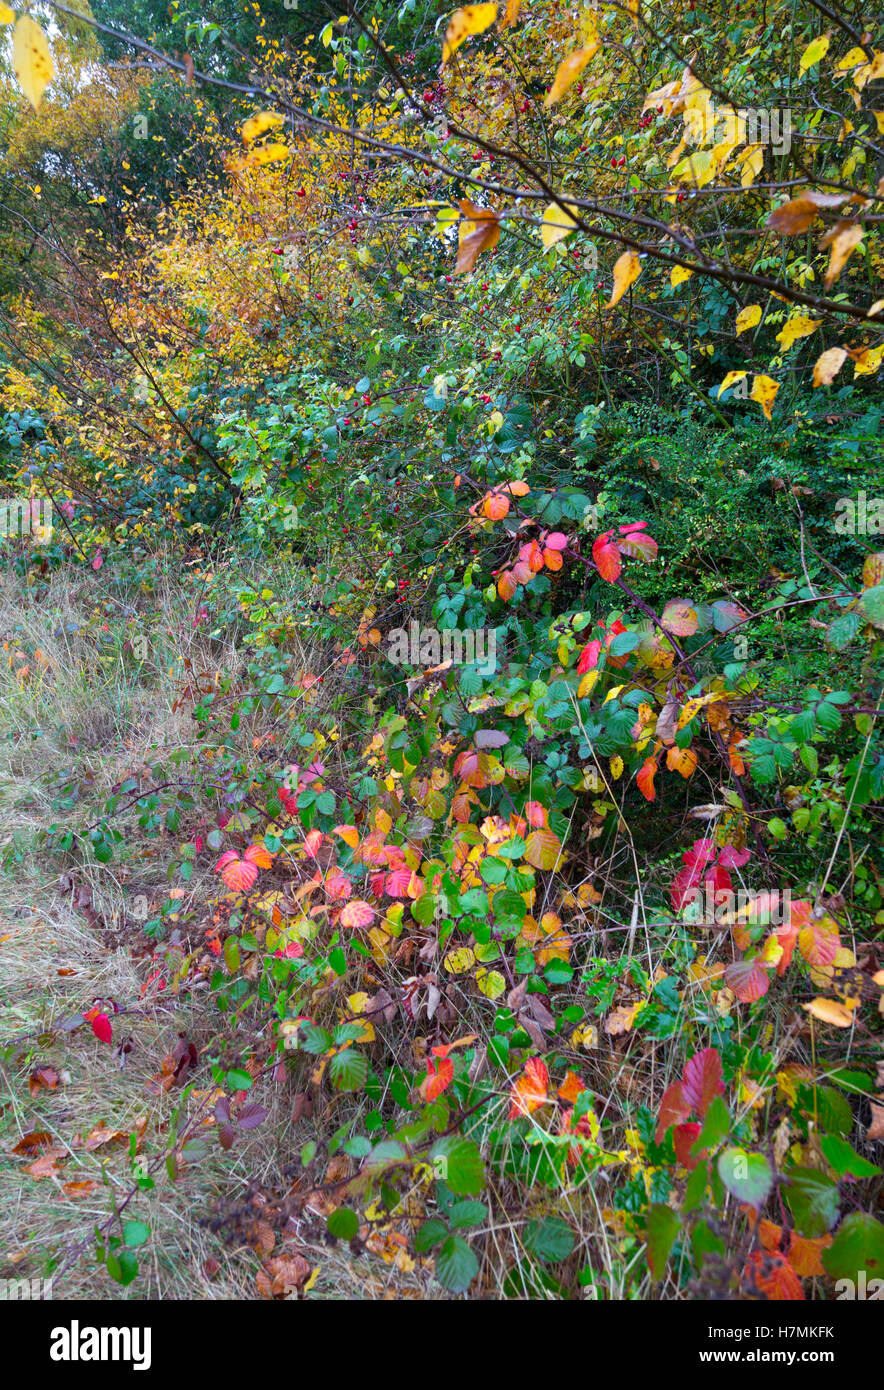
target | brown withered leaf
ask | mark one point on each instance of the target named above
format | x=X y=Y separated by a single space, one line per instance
x=46 y=1166
x=32 y=1143
x=875 y=1131
x=302 y=1107
x=43 y=1077
x=479 y=232
x=282 y=1275
x=262 y=1238
x=796 y=216
x=79 y=1189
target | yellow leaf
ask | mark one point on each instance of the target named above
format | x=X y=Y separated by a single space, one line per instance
x=798 y=326
x=854 y=59
x=6 y=14
x=843 y=239
x=585 y=1035
x=830 y=1011
x=462 y=958
x=867 y=361
x=267 y=154
x=511 y=13
x=627 y=269
x=693 y=707
x=491 y=983
x=828 y=365
x=730 y=380
x=445 y=220
x=616 y=768
x=256 y=125
x=557 y=224
x=752 y=161
x=879 y=121
x=678 y=275
x=472 y=19
x=814 y=52
x=31 y=60
x=764 y=391
x=568 y=71
x=747 y=318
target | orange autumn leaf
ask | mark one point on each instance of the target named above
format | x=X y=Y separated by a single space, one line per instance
x=572 y=1087
x=645 y=778
x=531 y=1089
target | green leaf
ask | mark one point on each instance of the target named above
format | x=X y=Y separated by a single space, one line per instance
x=664 y=1225
x=873 y=605
x=430 y=1234
x=550 y=1240
x=456 y=1265
x=812 y=1198
x=747 y=1176
x=458 y=1162
x=343 y=1224
x=122 y=1267
x=467 y=1214
x=239 y=1080
x=135 y=1233
x=858 y=1245
x=715 y=1127
x=348 y=1070
x=844 y=1158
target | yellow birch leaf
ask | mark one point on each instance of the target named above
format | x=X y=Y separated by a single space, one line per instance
x=557 y=224
x=868 y=361
x=472 y=19
x=616 y=768
x=854 y=59
x=843 y=239
x=31 y=60
x=828 y=365
x=268 y=154
x=258 y=124
x=730 y=380
x=752 y=161
x=747 y=318
x=764 y=391
x=678 y=275
x=798 y=326
x=627 y=269
x=6 y=14
x=568 y=71
x=511 y=13
x=814 y=52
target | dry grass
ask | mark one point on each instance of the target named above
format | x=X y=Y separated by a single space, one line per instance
x=81 y=715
